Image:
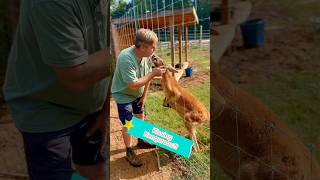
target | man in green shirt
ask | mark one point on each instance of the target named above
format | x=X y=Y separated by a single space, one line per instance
x=130 y=84
x=56 y=86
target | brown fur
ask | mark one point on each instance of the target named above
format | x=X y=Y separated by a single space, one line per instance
x=188 y=107
x=260 y=133
x=215 y=32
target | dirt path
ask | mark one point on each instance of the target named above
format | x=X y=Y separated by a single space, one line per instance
x=119 y=167
x=12 y=160
x=288 y=48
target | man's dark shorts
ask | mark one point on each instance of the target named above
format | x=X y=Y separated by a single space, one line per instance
x=49 y=155
x=126 y=110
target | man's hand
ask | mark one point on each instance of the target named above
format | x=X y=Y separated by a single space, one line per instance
x=159 y=71
x=100 y=124
x=147 y=78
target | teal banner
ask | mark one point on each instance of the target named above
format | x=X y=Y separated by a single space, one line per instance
x=159 y=136
x=76 y=176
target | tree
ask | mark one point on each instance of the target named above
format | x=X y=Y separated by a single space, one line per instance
x=118 y=8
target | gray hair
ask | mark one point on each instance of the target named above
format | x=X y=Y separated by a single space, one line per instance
x=145 y=36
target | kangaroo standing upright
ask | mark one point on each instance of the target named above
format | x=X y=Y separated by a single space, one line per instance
x=188 y=106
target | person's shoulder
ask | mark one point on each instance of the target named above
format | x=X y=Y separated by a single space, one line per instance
x=127 y=50
x=126 y=55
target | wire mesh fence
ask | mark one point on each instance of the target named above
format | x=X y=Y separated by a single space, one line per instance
x=276 y=163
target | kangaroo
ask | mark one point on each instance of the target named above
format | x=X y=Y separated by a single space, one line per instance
x=251 y=142
x=187 y=106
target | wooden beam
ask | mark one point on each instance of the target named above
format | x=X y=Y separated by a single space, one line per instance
x=126 y=37
x=220 y=43
x=186 y=42
x=133 y=36
x=115 y=41
x=122 y=40
x=133 y=30
x=180 y=45
x=225 y=12
x=172 y=41
x=200 y=39
x=180 y=72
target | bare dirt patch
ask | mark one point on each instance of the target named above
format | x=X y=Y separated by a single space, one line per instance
x=288 y=48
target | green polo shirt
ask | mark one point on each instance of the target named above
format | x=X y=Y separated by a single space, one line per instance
x=54 y=33
x=128 y=70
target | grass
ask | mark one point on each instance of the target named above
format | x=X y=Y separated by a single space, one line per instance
x=218 y=173
x=168 y=118
x=198 y=165
x=296 y=99
x=300 y=11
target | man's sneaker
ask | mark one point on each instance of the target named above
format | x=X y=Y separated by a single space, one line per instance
x=133 y=159
x=144 y=144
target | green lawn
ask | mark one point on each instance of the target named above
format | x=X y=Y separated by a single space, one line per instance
x=299 y=11
x=296 y=99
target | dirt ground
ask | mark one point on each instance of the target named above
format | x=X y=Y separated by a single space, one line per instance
x=120 y=168
x=287 y=48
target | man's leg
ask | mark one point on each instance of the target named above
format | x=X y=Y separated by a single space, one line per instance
x=125 y=114
x=87 y=157
x=48 y=155
x=138 y=111
x=127 y=138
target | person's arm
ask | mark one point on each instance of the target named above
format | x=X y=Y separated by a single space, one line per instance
x=82 y=76
x=62 y=44
x=101 y=124
x=146 y=88
x=146 y=79
x=144 y=95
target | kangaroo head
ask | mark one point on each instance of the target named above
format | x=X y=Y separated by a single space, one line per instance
x=157 y=61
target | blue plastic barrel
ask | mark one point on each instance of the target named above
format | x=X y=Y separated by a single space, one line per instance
x=188 y=71
x=253 y=33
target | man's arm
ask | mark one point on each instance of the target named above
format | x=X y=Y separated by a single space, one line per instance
x=101 y=124
x=85 y=75
x=145 y=79
x=146 y=88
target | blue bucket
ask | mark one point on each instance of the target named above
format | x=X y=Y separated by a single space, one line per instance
x=188 y=71
x=253 y=33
